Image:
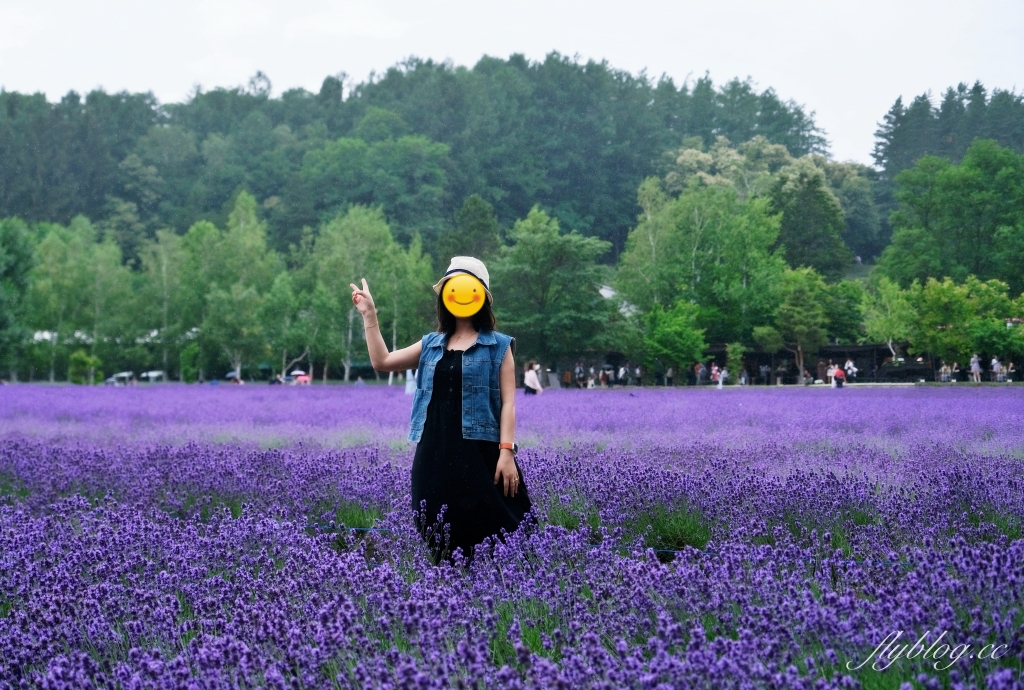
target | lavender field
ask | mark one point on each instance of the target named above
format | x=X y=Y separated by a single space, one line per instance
x=187 y=536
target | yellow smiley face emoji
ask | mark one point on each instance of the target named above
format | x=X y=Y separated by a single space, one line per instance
x=464 y=295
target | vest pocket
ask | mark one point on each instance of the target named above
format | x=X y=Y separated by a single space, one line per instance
x=426 y=376
x=482 y=413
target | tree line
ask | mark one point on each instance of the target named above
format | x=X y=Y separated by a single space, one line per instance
x=618 y=214
x=575 y=138
x=911 y=131
x=746 y=245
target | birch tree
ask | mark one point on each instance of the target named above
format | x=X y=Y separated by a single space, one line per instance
x=888 y=314
x=352 y=246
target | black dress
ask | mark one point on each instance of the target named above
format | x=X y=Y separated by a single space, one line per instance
x=458 y=474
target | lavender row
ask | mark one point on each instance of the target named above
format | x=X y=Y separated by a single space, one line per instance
x=116 y=596
x=977 y=420
x=115 y=582
x=875 y=499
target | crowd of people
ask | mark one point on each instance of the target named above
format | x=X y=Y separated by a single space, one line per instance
x=605 y=376
x=998 y=372
x=835 y=374
x=702 y=373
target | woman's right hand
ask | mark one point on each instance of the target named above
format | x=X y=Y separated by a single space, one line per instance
x=362 y=299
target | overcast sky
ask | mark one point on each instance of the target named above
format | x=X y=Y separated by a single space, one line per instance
x=847 y=61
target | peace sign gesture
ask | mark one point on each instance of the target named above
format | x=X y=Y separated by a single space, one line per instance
x=362 y=299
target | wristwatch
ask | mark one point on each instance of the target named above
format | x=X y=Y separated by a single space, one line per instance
x=514 y=447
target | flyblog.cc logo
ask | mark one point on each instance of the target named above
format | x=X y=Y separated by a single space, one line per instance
x=944 y=654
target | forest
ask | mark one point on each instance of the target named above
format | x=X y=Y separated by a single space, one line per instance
x=620 y=214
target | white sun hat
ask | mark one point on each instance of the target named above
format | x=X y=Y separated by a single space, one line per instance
x=469 y=266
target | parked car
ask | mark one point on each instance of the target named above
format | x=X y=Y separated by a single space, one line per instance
x=120 y=379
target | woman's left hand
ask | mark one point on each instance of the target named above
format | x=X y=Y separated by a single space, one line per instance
x=507 y=473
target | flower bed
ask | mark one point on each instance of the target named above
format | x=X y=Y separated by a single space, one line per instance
x=187 y=536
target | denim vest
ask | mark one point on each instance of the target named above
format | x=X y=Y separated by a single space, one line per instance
x=481 y=392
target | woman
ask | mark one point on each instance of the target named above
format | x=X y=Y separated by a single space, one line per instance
x=976 y=368
x=463 y=414
x=531 y=382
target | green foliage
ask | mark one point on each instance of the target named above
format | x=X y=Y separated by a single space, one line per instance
x=665 y=528
x=405 y=176
x=812 y=219
x=734 y=360
x=718 y=245
x=244 y=256
x=574 y=137
x=227 y=275
x=706 y=246
x=843 y=302
x=573 y=514
x=15 y=266
x=79 y=291
x=206 y=505
x=379 y=124
x=233 y=323
x=671 y=337
x=888 y=314
x=62 y=159
x=800 y=322
x=826 y=201
x=12 y=489
x=955 y=321
x=160 y=295
x=84 y=368
x=224 y=231
x=748 y=168
x=189 y=363
x=960 y=220
x=909 y=132
x=548 y=286
x=411 y=310
x=769 y=338
x=912 y=255
x=673 y=527
x=476 y=233
x=854 y=186
x=284 y=325
x=350 y=247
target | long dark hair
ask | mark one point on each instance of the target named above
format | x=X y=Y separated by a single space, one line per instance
x=483 y=320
